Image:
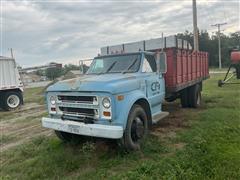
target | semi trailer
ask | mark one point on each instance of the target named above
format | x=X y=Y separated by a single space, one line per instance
x=121 y=95
x=11 y=86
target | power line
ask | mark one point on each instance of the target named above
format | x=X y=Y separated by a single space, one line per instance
x=219 y=43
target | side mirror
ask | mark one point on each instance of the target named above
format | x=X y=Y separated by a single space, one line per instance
x=161 y=59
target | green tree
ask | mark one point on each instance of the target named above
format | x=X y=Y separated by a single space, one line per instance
x=53 y=73
x=70 y=67
x=210 y=44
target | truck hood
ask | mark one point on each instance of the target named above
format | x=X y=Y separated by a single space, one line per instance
x=111 y=83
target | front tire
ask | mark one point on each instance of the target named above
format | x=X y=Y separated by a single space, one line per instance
x=136 y=129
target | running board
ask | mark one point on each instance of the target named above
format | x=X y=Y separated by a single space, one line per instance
x=160 y=116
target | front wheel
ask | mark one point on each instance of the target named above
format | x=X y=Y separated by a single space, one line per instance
x=136 y=130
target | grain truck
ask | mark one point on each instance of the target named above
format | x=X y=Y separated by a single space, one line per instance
x=121 y=95
x=11 y=86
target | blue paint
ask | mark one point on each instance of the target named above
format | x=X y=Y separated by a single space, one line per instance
x=133 y=86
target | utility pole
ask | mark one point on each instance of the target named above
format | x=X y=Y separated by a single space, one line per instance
x=195 y=28
x=219 y=43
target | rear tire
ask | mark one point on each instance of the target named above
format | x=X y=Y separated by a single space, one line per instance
x=136 y=129
x=185 y=98
x=11 y=100
x=195 y=96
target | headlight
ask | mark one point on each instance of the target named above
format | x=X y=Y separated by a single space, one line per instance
x=53 y=100
x=106 y=102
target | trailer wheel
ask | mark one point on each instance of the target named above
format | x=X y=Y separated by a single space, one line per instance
x=195 y=96
x=220 y=83
x=185 y=98
x=12 y=100
x=136 y=130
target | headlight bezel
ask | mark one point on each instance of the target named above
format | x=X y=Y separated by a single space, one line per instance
x=106 y=102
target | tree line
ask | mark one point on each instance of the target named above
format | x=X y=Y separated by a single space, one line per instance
x=209 y=43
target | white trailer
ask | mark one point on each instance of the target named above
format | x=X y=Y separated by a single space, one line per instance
x=11 y=86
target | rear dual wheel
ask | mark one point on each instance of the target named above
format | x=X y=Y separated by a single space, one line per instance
x=195 y=96
x=191 y=97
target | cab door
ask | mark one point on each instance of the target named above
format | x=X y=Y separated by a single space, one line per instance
x=154 y=83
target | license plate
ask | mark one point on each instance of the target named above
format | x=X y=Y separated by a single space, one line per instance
x=73 y=129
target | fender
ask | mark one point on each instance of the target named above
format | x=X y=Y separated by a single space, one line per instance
x=126 y=105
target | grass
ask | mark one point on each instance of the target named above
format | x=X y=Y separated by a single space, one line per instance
x=224 y=69
x=5 y=139
x=211 y=149
x=32 y=95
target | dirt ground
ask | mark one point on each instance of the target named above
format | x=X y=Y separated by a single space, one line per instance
x=22 y=125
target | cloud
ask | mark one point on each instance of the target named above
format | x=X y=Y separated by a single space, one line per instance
x=43 y=31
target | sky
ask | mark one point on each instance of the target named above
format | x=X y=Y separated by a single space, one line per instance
x=64 y=31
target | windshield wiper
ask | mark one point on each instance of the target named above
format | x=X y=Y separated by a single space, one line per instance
x=130 y=66
x=110 y=67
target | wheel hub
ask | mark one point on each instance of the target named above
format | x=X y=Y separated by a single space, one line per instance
x=13 y=101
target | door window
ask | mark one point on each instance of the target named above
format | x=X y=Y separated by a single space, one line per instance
x=149 y=64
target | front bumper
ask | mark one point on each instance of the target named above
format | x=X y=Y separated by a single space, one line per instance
x=95 y=130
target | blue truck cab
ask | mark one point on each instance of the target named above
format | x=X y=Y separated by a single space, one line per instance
x=119 y=97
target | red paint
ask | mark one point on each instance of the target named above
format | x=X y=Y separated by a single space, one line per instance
x=184 y=66
x=235 y=57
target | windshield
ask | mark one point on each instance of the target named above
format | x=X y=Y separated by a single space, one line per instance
x=115 y=64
